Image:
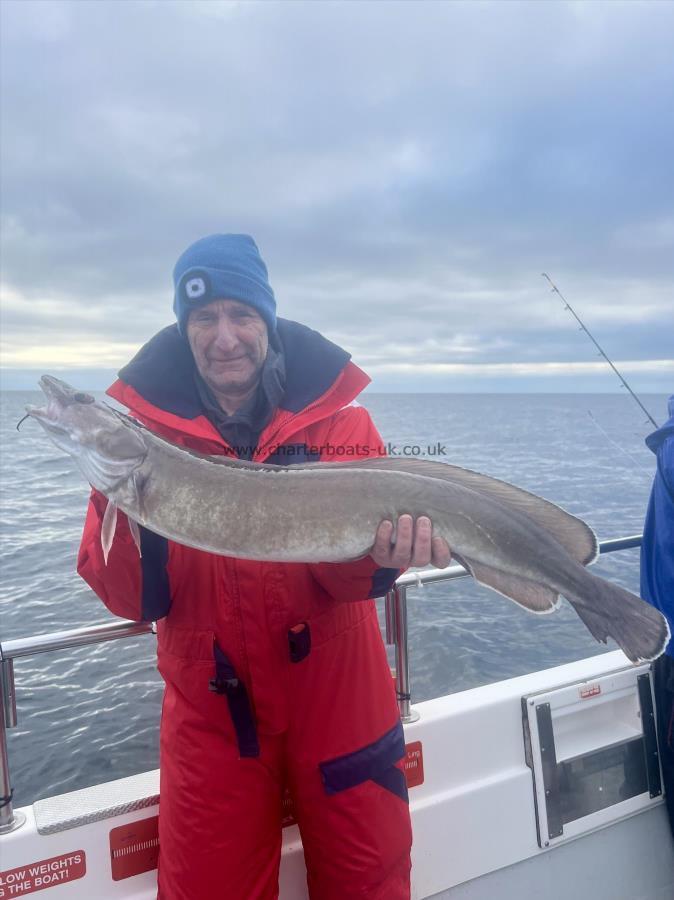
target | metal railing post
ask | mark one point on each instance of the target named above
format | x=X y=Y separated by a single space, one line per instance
x=9 y=820
x=8 y=690
x=402 y=656
x=389 y=603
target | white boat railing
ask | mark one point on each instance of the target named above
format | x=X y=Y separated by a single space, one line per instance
x=396 y=636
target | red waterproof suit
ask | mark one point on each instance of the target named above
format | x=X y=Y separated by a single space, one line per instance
x=276 y=674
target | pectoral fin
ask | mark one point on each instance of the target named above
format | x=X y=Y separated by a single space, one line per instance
x=534 y=597
x=135 y=533
x=108 y=529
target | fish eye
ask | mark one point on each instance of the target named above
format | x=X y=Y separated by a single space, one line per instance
x=81 y=397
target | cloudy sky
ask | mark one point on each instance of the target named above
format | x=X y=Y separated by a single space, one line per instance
x=408 y=170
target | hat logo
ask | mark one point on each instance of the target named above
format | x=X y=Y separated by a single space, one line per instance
x=195 y=288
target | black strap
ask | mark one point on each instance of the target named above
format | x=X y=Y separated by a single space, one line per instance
x=374 y=762
x=5 y=800
x=393 y=779
x=226 y=682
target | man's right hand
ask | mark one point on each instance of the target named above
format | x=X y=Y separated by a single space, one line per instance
x=414 y=545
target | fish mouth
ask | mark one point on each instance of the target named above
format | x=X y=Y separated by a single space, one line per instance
x=58 y=395
x=54 y=389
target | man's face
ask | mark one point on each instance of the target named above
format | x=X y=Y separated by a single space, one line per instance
x=229 y=343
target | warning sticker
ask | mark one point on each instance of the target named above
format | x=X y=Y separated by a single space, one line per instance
x=592 y=690
x=414 y=764
x=43 y=874
x=134 y=848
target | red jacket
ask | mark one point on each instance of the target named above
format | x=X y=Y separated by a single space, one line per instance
x=246 y=607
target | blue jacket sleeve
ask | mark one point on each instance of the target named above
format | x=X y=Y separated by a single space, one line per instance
x=657 y=550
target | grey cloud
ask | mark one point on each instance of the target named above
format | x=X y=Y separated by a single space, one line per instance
x=404 y=167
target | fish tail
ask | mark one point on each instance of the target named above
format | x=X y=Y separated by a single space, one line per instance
x=608 y=610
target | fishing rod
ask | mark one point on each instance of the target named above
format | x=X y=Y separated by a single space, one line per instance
x=584 y=328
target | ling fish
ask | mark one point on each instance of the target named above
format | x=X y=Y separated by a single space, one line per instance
x=512 y=541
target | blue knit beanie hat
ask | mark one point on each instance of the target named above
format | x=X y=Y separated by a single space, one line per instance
x=222 y=267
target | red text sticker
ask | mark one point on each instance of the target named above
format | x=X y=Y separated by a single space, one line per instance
x=592 y=690
x=414 y=764
x=134 y=848
x=43 y=874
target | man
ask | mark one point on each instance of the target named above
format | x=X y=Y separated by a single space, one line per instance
x=657 y=586
x=276 y=675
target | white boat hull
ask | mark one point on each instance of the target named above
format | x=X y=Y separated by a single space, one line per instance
x=476 y=832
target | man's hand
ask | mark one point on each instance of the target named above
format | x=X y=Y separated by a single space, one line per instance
x=414 y=545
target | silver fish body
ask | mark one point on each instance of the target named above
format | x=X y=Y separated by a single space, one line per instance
x=510 y=540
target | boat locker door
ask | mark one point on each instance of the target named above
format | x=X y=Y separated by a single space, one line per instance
x=593 y=752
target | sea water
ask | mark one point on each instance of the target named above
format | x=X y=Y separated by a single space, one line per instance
x=92 y=714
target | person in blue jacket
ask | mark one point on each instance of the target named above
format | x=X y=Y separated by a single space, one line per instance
x=657 y=587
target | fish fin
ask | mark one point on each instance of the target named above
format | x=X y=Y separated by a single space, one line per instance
x=608 y=610
x=135 y=533
x=532 y=596
x=108 y=529
x=572 y=533
x=595 y=623
x=138 y=484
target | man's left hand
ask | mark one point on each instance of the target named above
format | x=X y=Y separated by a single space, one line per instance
x=414 y=545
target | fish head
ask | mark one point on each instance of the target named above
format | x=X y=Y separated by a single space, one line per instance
x=107 y=446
